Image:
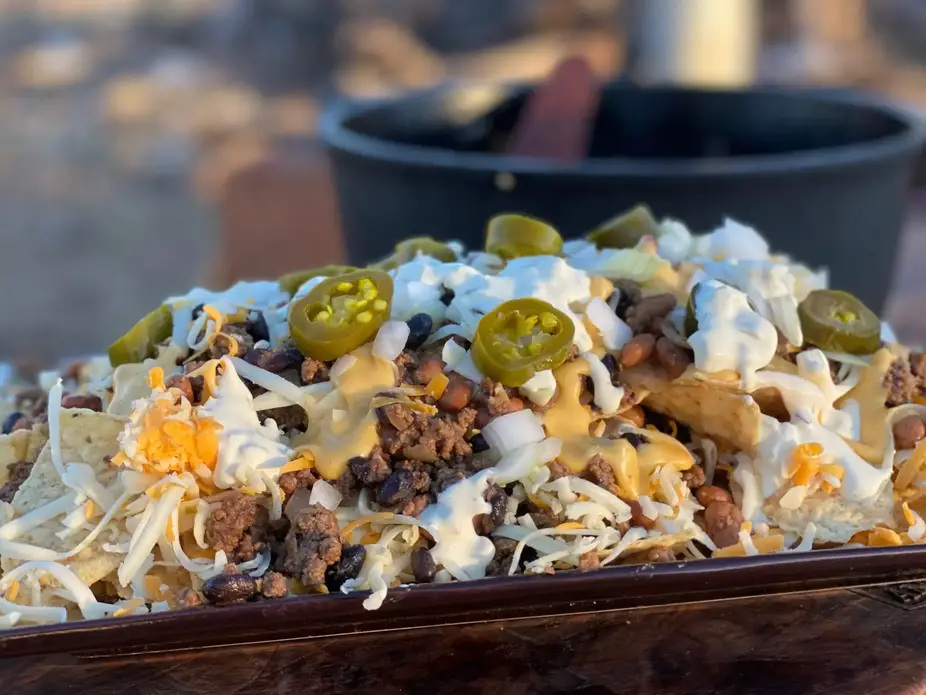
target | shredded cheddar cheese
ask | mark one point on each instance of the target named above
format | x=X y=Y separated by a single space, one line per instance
x=764 y=544
x=300 y=463
x=156 y=378
x=437 y=386
x=129 y=607
x=568 y=525
x=375 y=518
x=911 y=467
x=12 y=591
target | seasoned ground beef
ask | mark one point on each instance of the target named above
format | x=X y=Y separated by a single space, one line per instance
x=274 y=360
x=372 y=469
x=499 y=400
x=589 y=561
x=346 y=483
x=694 y=477
x=445 y=477
x=504 y=552
x=238 y=331
x=902 y=384
x=290 y=482
x=415 y=505
x=313 y=371
x=407 y=363
x=19 y=472
x=427 y=438
x=239 y=526
x=312 y=545
x=273 y=585
x=291 y=417
x=599 y=471
x=558 y=470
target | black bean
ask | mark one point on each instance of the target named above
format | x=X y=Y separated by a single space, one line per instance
x=611 y=364
x=419 y=328
x=398 y=487
x=227 y=588
x=257 y=327
x=447 y=296
x=348 y=567
x=11 y=420
x=423 y=566
x=197 y=310
x=479 y=443
x=635 y=439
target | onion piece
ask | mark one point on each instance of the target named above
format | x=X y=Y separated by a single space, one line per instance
x=299 y=500
x=326 y=495
x=513 y=431
x=390 y=340
x=608 y=397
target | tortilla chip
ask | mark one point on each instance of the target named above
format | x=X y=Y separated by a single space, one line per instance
x=21 y=445
x=86 y=437
x=836 y=518
x=711 y=406
x=130 y=381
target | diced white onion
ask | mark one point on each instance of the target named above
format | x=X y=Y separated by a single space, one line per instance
x=521 y=462
x=513 y=431
x=326 y=495
x=390 y=340
x=793 y=498
x=540 y=388
x=459 y=360
x=299 y=500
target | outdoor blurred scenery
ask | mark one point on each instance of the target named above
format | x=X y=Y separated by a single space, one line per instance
x=122 y=122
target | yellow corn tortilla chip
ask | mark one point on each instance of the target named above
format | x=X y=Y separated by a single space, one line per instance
x=714 y=407
x=21 y=445
x=86 y=437
x=130 y=381
x=669 y=540
x=836 y=518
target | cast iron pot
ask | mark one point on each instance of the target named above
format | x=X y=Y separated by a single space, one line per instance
x=824 y=175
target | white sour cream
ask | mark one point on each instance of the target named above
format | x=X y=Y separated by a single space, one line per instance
x=246 y=447
x=730 y=334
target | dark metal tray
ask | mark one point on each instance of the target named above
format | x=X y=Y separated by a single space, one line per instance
x=471 y=602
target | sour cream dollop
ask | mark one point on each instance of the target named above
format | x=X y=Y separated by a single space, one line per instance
x=730 y=335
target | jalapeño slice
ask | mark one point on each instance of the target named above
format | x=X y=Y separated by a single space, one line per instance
x=625 y=230
x=341 y=313
x=837 y=321
x=520 y=338
x=513 y=236
x=142 y=339
x=291 y=282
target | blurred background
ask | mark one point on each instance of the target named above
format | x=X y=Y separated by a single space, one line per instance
x=141 y=139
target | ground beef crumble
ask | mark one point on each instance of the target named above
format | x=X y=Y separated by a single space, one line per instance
x=504 y=552
x=421 y=437
x=239 y=526
x=19 y=472
x=905 y=379
x=312 y=545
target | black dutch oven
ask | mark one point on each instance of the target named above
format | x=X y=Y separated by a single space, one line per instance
x=825 y=176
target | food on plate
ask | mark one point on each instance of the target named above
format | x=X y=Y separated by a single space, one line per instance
x=643 y=395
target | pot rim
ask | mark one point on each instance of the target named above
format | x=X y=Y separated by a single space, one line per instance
x=909 y=141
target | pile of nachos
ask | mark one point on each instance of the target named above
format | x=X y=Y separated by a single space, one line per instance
x=641 y=395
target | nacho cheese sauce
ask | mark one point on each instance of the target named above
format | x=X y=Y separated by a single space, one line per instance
x=140 y=506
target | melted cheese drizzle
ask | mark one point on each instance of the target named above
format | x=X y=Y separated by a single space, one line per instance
x=867 y=398
x=569 y=421
x=343 y=425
